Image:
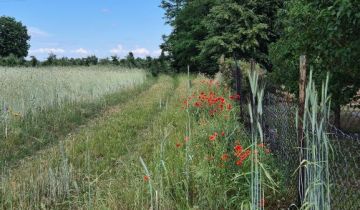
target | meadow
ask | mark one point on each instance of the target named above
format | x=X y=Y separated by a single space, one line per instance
x=29 y=89
x=133 y=141
x=137 y=142
x=41 y=105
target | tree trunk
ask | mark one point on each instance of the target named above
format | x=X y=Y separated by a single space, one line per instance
x=337 y=117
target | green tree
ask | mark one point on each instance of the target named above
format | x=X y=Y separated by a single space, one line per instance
x=34 y=61
x=114 y=60
x=240 y=28
x=188 y=32
x=172 y=9
x=328 y=33
x=51 y=60
x=204 y=30
x=13 y=38
x=91 y=60
x=130 y=60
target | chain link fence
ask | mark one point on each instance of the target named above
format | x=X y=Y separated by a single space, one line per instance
x=281 y=136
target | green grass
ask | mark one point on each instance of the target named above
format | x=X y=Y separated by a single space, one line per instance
x=24 y=89
x=40 y=128
x=99 y=167
x=93 y=152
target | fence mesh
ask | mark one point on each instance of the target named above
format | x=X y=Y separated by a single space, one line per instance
x=281 y=136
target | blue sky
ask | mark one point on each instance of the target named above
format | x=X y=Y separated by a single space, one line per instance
x=78 y=28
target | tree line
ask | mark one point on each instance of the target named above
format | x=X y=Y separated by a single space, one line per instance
x=14 y=48
x=272 y=32
x=210 y=34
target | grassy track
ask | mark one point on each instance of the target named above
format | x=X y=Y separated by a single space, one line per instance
x=35 y=131
x=183 y=166
x=73 y=176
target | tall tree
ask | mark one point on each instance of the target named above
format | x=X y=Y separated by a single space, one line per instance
x=172 y=9
x=13 y=38
x=328 y=33
x=188 y=32
x=241 y=28
x=203 y=30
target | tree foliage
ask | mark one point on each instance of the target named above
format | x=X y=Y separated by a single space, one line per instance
x=188 y=31
x=203 y=30
x=13 y=38
x=328 y=33
x=240 y=28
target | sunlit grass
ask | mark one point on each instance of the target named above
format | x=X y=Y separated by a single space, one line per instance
x=24 y=89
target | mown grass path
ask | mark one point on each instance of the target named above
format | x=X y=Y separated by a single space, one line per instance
x=36 y=131
x=70 y=177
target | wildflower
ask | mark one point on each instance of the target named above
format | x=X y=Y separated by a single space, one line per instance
x=238 y=148
x=229 y=107
x=212 y=138
x=242 y=155
x=239 y=162
x=146 y=178
x=224 y=157
x=197 y=104
x=223 y=133
x=235 y=97
x=178 y=145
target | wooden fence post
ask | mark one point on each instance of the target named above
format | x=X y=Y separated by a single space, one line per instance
x=301 y=141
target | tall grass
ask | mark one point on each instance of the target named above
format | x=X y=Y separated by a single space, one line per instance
x=92 y=169
x=41 y=105
x=255 y=111
x=25 y=89
x=191 y=157
x=260 y=176
x=316 y=153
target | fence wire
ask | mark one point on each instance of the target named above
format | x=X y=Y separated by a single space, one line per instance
x=281 y=136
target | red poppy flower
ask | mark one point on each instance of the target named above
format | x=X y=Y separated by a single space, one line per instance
x=197 y=104
x=178 y=145
x=238 y=148
x=212 y=138
x=239 y=162
x=223 y=133
x=146 y=178
x=224 y=157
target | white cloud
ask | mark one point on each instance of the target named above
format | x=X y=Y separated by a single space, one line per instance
x=81 y=51
x=137 y=51
x=36 y=32
x=156 y=53
x=118 y=50
x=141 y=52
x=47 y=51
